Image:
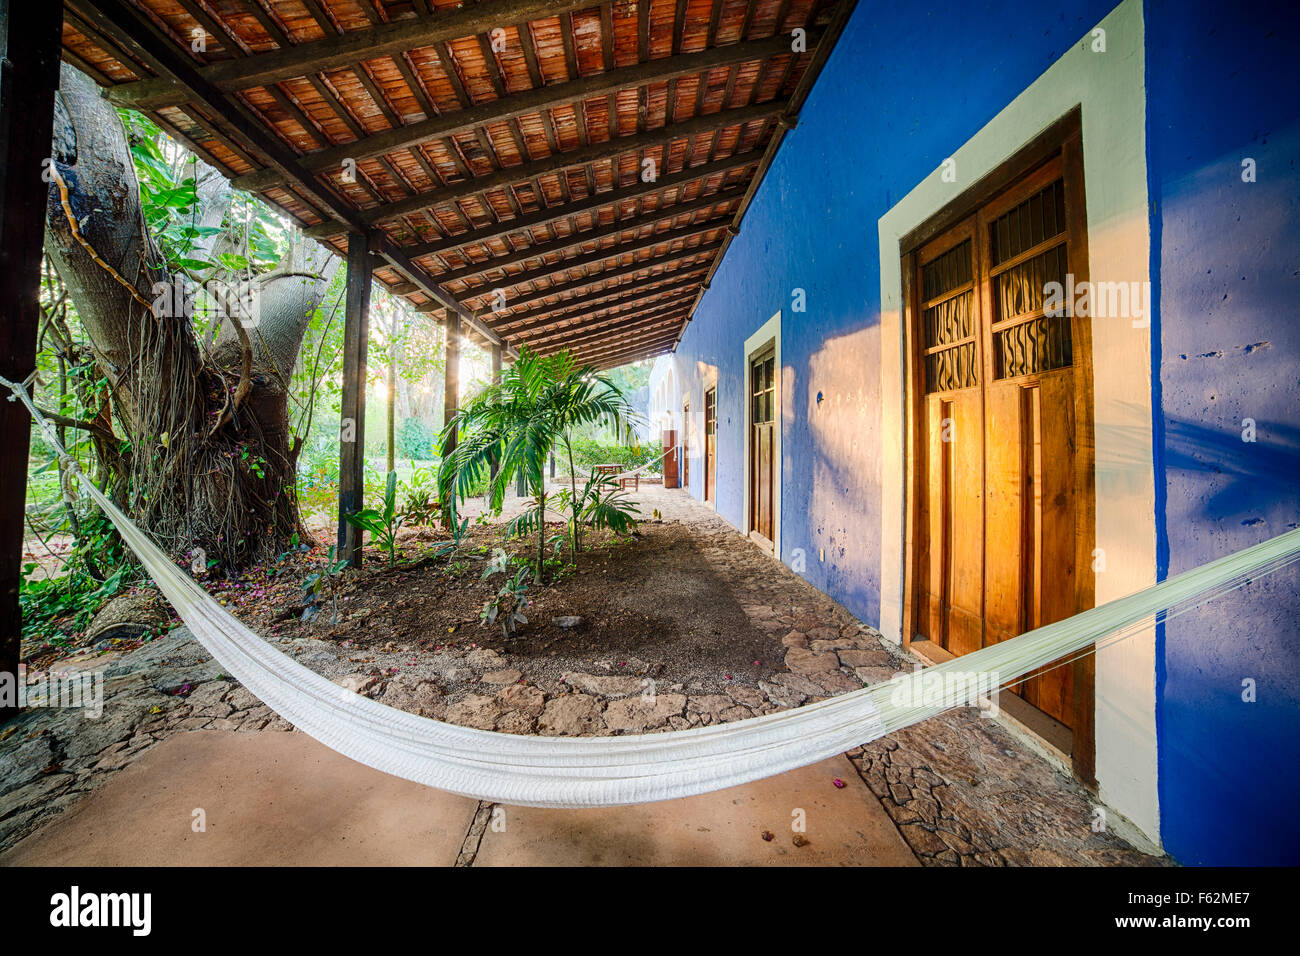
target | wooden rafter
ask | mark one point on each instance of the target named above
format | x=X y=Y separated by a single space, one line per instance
x=639 y=310
x=342 y=50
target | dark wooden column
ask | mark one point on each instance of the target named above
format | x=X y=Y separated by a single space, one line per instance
x=352 y=437
x=30 y=40
x=496 y=380
x=451 y=391
x=451 y=378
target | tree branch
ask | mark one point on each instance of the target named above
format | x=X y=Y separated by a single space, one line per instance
x=92 y=427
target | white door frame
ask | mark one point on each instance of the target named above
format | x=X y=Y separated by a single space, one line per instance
x=710 y=382
x=1109 y=88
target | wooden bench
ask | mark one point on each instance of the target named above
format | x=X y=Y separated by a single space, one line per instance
x=614 y=470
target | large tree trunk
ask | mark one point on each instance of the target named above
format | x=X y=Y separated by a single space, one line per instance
x=210 y=461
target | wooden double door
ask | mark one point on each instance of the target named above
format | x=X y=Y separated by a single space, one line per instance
x=1001 y=463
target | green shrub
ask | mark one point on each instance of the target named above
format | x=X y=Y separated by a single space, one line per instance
x=414 y=439
x=96 y=570
x=587 y=452
x=318 y=476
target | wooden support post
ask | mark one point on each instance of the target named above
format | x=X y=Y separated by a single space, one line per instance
x=31 y=35
x=390 y=392
x=496 y=380
x=352 y=438
x=451 y=379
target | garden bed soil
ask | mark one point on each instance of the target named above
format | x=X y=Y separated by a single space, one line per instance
x=649 y=604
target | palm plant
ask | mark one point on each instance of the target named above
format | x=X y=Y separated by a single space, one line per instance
x=515 y=423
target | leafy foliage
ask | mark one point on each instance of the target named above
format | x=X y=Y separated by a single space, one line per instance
x=96 y=570
x=588 y=452
x=71 y=598
x=507 y=606
x=382 y=525
x=601 y=504
x=420 y=504
x=515 y=424
x=318 y=583
x=414 y=439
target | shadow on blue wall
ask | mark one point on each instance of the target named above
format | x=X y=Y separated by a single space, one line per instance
x=1220 y=85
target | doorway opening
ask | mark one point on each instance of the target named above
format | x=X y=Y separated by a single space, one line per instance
x=1000 y=447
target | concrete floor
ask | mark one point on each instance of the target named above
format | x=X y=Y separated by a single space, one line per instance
x=282 y=799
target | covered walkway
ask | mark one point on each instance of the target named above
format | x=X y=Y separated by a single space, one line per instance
x=956 y=790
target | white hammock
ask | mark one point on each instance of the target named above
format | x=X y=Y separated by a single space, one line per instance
x=613 y=771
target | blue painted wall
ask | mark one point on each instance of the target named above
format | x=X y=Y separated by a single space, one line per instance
x=1226 y=273
x=1222 y=82
x=875 y=124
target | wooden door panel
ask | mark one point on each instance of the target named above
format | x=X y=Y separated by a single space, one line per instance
x=710 y=444
x=762 y=449
x=954 y=535
x=763 y=481
x=1002 y=559
x=966 y=489
x=1051 y=689
x=1030 y=548
x=711 y=469
x=686 y=446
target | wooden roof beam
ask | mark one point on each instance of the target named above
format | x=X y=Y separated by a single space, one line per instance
x=622 y=295
x=578 y=336
x=635 y=343
x=559 y=211
x=600 y=255
x=564 y=243
x=525 y=103
x=664 y=261
x=577 y=323
x=621 y=354
x=830 y=35
x=559 y=162
x=338 y=51
x=130 y=27
x=609 y=358
x=430 y=287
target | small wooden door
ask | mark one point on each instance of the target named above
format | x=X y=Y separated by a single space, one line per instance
x=1002 y=460
x=762 y=457
x=710 y=443
x=686 y=444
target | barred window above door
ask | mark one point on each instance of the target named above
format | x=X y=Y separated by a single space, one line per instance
x=982 y=288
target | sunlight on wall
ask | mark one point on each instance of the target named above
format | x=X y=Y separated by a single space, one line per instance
x=843 y=420
x=664 y=407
